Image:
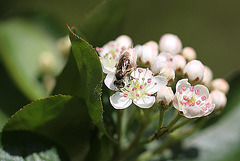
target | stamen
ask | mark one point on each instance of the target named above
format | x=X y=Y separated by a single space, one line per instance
x=137 y=95
x=203 y=98
x=180 y=91
x=204 y=108
x=197 y=92
x=134 y=88
x=149 y=95
x=125 y=95
x=141 y=86
x=185 y=98
x=192 y=89
x=149 y=80
x=208 y=105
x=140 y=70
x=198 y=102
x=184 y=88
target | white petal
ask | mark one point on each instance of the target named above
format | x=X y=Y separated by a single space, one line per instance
x=118 y=101
x=156 y=83
x=182 y=82
x=175 y=102
x=192 y=112
x=145 y=102
x=203 y=92
x=107 y=69
x=210 y=110
x=109 y=81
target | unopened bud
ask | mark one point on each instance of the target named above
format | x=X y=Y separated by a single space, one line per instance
x=189 y=53
x=219 y=99
x=207 y=76
x=180 y=63
x=147 y=54
x=220 y=84
x=165 y=96
x=124 y=41
x=168 y=73
x=164 y=59
x=194 y=71
x=153 y=44
x=47 y=62
x=170 y=43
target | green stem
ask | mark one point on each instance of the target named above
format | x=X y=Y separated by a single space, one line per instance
x=120 y=115
x=161 y=115
x=180 y=125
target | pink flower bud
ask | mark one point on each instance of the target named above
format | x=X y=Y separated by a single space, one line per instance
x=207 y=76
x=168 y=73
x=164 y=59
x=219 y=99
x=180 y=63
x=220 y=84
x=165 y=96
x=170 y=43
x=189 y=53
x=124 y=41
x=194 y=71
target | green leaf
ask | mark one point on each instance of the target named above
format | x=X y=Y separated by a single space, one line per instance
x=63 y=119
x=90 y=78
x=104 y=22
x=220 y=141
x=27 y=146
x=22 y=45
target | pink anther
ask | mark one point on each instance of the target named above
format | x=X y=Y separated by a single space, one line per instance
x=134 y=88
x=141 y=86
x=203 y=98
x=180 y=91
x=197 y=92
x=125 y=95
x=184 y=88
x=198 y=102
x=149 y=80
x=192 y=89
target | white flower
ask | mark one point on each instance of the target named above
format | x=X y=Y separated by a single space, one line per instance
x=164 y=59
x=192 y=101
x=138 y=89
x=165 y=96
x=110 y=52
x=194 y=71
x=170 y=43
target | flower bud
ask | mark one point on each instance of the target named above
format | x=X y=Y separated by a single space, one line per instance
x=180 y=63
x=164 y=59
x=165 y=96
x=219 y=99
x=147 y=54
x=194 y=71
x=207 y=76
x=189 y=53
x=47 y=62
x=221 y=85
x=170 y=43
x=153 y=44
x=124 y=41
x=168 y=73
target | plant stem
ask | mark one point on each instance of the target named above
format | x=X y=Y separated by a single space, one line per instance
x=120 y=115
x=161 y=115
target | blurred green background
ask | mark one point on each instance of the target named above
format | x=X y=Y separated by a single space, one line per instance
x=210 y=27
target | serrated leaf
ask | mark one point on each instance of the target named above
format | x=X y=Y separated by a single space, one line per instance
x=22 y=45
x=27 y=146
x=104 y=22
x=90 y=78
x=63 y=119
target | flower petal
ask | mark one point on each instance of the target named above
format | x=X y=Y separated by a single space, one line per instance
x=203 y=91
x=145 y=102
x=210 y=110
x=156 y=83
x=175 y=103
x=192 y=112
x=183 y=82
x=109 y=81
x=118 y=101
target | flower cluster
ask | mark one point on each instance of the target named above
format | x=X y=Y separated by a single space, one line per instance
x=143 y=75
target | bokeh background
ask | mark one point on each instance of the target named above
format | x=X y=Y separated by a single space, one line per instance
x=210 y=27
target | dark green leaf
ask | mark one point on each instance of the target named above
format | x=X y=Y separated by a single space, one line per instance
x=104 y=22
x=63 y=119
x=90 y=78
x=27 y=146
x=22 y=45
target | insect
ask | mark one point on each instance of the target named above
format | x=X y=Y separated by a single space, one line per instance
x=123 y=68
